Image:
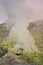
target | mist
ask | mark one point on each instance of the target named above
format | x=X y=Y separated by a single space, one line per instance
x=17 y=23
x=21 y=35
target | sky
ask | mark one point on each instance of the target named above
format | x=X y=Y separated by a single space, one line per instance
x=1 y=21
x=33 y=9
x=37 y=6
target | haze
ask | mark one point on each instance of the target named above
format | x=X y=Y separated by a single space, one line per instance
x=34 y=11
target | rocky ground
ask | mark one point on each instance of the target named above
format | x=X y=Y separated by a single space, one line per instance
x=9 y=59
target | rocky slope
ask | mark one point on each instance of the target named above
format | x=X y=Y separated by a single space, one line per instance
x=3 y=32
x=36 y=28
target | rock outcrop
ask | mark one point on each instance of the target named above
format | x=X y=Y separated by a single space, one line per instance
x=36 y=28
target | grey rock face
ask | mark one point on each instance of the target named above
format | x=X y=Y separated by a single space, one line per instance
x=36 y=28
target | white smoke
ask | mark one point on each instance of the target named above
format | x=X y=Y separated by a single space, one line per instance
x=19 y=13
x=21 y=35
